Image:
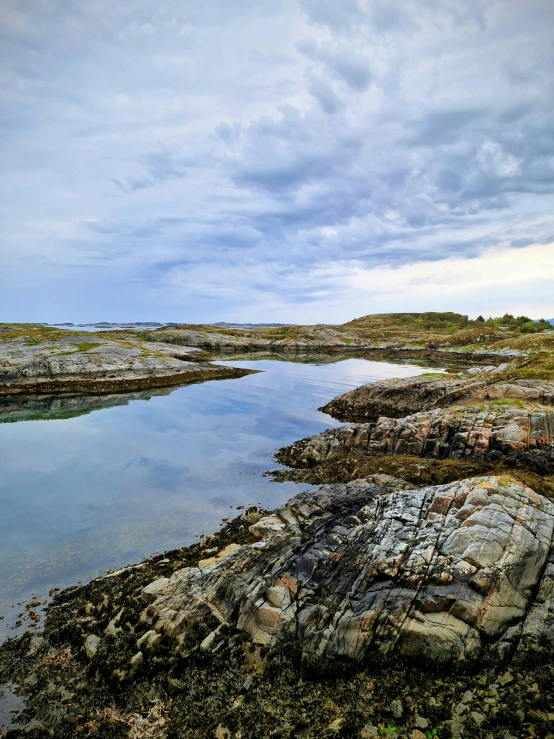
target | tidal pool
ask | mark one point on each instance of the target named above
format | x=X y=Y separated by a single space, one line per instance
x=89 y=484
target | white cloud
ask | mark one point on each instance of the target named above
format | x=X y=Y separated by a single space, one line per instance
x=492 y=158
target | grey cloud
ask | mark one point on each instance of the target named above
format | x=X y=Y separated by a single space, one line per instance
x=337 y=15
x=342 y=61
x=390 y=16
x=161 y=165
x=147 y=141
x=324 y=94
x=443 y=126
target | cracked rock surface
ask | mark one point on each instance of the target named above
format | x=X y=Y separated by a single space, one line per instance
x=78 y=363
x=498 y=432
x=403 y=396
x=371 y=569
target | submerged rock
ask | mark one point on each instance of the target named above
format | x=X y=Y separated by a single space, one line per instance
x=360 y=570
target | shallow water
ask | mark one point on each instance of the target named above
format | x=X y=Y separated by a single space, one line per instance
x=106 y=481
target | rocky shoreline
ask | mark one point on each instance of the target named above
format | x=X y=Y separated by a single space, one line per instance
x=381 y=606
x=318 y=338
x=162 y=650
x=48 y=361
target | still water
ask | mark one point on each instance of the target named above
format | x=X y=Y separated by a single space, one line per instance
x=92 y=484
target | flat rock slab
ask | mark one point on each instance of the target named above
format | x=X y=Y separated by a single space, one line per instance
x=77 y=363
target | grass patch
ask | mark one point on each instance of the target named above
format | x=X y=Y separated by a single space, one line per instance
x=85 y=346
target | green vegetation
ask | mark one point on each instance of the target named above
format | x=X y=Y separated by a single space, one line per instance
x=523 y=324
x=448 y=322
x=85 y=346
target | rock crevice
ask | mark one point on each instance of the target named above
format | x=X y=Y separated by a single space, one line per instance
x=361 y=570
x=503 y=432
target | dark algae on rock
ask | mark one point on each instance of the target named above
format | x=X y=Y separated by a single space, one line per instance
x=360 y=609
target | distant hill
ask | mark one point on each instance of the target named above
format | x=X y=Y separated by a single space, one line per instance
x=223 y=324
x=430 y=321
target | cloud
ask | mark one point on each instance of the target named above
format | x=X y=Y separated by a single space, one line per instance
x=342 y=61
x=183 y=161
x=492 y=158
x=324 y=94
x=337 y=15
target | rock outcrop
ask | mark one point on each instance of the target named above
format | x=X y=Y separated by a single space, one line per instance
x=71 y=364
x=321 y=336
x=370 y=570
x=498 y=432
x=400 y=397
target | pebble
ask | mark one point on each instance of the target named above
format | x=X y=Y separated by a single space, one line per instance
x=208 y=642
x=467 y=697
x=477 y=717
x=222 y=732
x=456 y=729
x=506 y=678
x=151 y=640
x=369 y=732
x=417 y=734
x=493 y=691
x=336 y=725
x=91 y=645
x=137 y=659
x=421 y=722
x=396 y=709
x=536 y=715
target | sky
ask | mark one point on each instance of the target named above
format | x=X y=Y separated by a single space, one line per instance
x=298 y=161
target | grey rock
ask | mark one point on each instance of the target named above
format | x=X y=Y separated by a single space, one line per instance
x=396 y=709
x=151 y=640
x=208 y=643
x=456 y=728
x=92 y=642
x=153 y=589
x=421 y=723
x=457 y=433
x=83 y=363
x=405 y=396
x=361 y=569
x=477 y=717
x=137 y=659
x=369 y=732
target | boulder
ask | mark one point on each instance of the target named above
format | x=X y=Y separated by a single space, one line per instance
x=365 y=570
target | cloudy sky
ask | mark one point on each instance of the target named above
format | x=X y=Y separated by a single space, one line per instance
x=297 y=161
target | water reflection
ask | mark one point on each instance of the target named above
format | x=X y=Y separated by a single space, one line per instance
x=54 y=408
x=89 y=491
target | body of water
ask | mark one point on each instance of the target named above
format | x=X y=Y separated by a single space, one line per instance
x=91 y=484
